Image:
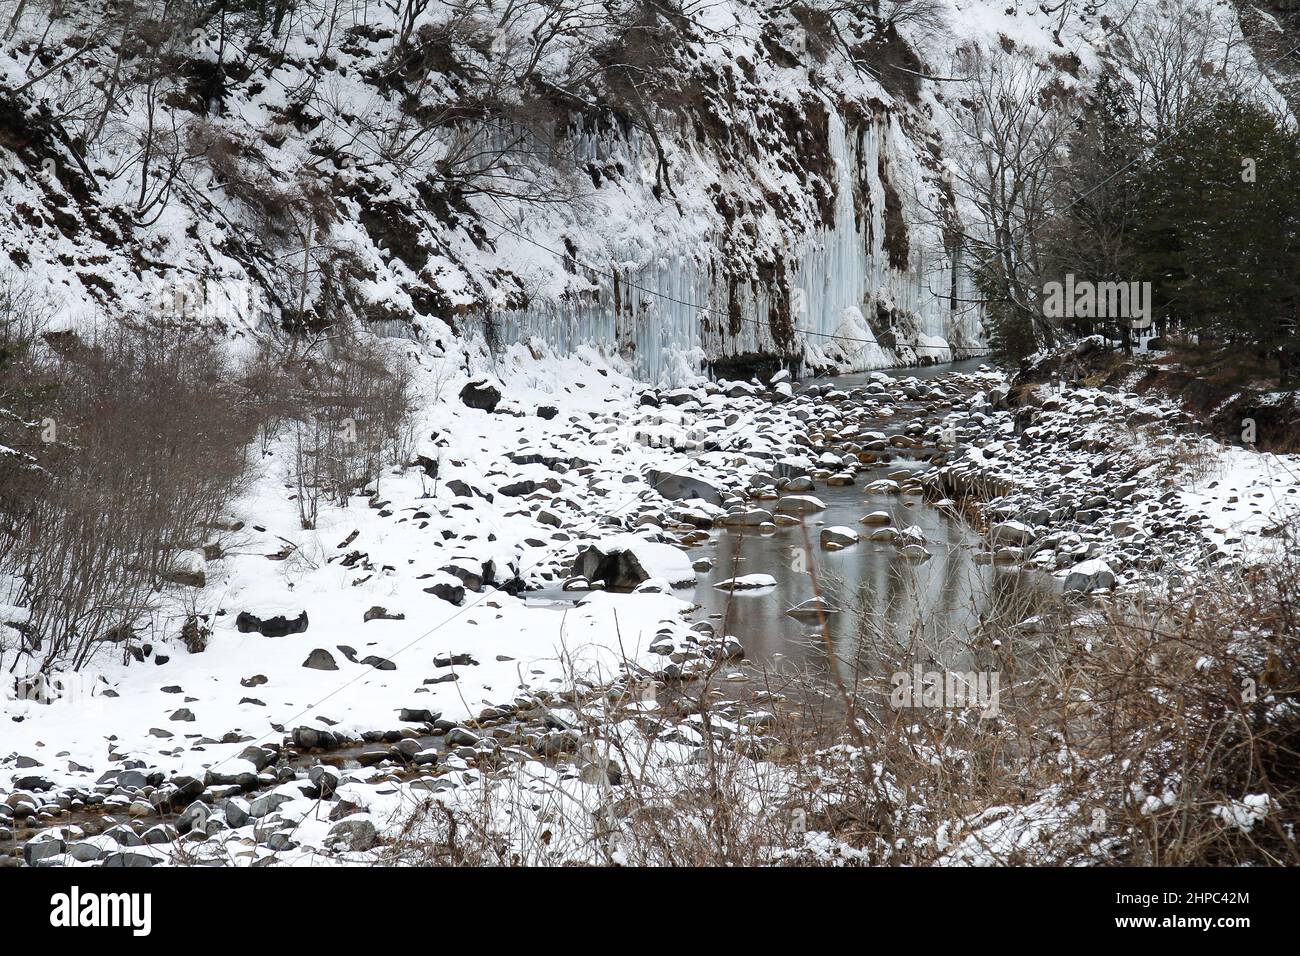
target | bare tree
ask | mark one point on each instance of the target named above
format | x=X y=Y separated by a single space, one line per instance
x=1181 y=57
x=1012 y=121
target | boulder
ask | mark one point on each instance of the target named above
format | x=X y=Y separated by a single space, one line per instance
x=799 y=504
x=320 y=660
x=482 y=394
x=447 y=591
x=278 y=626
x=838 y=536
x=1088 y=576
x=353 y=833
x=1012 y=533
x=677 y=487
x=747 y=582
x=624 y=561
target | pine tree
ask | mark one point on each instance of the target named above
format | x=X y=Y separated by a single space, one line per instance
x=1220 y=230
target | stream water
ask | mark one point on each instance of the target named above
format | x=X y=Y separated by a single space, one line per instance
x=886 y=602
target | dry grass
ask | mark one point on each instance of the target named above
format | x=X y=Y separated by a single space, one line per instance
x=1137 y=731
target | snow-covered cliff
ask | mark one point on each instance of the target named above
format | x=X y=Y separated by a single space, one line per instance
x=684 y=185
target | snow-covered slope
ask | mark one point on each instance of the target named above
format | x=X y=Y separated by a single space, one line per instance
x=737 y=180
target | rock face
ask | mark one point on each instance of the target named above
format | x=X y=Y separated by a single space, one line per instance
x=481 y=394
x=624 y=562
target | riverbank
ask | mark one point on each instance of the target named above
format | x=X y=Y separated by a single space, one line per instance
x=443 y=661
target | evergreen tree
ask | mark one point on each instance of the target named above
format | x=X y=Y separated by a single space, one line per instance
x=1219 y=205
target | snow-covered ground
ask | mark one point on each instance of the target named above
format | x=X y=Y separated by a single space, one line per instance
x=481 y=670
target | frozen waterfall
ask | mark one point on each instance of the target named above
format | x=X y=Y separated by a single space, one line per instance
x=851 y=307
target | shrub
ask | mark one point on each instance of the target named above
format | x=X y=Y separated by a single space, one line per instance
x=143 y=441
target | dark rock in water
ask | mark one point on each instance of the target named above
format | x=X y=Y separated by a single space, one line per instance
x=482 y=394
x=451 y=593
x=681 y=487
x=320 y=660
x=278 y=626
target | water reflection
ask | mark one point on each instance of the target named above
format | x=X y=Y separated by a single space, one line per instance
x=935 y=610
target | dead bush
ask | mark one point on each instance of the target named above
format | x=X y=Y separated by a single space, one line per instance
x=143 y=441
x=352 y=416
